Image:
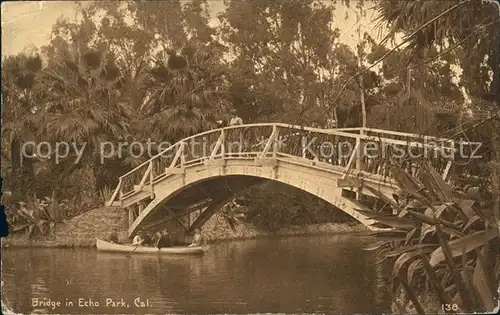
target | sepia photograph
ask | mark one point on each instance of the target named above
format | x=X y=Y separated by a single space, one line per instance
x=250 y=157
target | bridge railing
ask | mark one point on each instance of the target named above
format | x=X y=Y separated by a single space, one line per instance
x=435 y=150
x=354 y=149
x=438 y=152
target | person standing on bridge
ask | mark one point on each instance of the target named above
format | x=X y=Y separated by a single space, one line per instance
x=236 y=136
x=221 y=123
x=235 y=120
x=231 y=120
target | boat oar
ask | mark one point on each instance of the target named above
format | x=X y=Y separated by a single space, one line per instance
x=133 y=249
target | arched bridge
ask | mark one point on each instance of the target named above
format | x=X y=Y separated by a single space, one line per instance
x=188 y=182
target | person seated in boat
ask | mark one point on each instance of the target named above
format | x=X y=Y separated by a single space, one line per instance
x=113 y=238
x=165 y=240
x=137 y=240
x=156 y=237
x=197 y=239
x=146 y=240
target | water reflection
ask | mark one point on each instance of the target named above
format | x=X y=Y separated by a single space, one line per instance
x=303 y=274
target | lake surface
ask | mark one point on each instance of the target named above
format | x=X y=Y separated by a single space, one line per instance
x=272 y=275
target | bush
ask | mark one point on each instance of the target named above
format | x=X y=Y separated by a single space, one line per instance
x=440 y=244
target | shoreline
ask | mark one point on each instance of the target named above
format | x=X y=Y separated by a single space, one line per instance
x=214 y=242
x=219 y=234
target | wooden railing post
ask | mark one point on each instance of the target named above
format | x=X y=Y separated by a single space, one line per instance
x=276 y=141
x=223 y=143
x=241 y=141
x=121 y=195
x=183 y=156
x=352 y=158
x=145 y=176
x=302 y=149
x=177 y=156
x=270 y=142
x=218 y=145
x=446 y=170
x=358 y=152
x=117 y=192
x=151 y=178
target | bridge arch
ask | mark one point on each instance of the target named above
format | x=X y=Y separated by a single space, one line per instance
x=315 y=182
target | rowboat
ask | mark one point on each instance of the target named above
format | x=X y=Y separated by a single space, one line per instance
x=121 y=248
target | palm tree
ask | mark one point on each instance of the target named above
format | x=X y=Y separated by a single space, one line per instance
x=186 y=90
x=84 y=103
x=21 y=119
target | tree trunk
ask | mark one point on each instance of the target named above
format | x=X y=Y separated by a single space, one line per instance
x=495 y=176
x=408 y=83
x=336 y=117
x=90 y=177
x=22 y=176
x=494 y=63
x=15 y=180
x=363 y=105
x=362 y=96
x=361 y=47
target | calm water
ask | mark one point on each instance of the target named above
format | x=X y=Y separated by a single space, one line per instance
x=299 y=274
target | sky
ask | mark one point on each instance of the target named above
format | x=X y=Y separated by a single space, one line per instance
x=29 y=23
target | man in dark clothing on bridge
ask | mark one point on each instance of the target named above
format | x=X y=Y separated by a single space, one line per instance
x=230 y=119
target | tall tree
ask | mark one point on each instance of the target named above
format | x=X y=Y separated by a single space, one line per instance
x=282 y=52
x=470 y=26
x=431 y=91
x=21 y=118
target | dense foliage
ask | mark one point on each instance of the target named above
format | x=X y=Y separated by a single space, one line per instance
x=162 y=70
x=443 y=244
